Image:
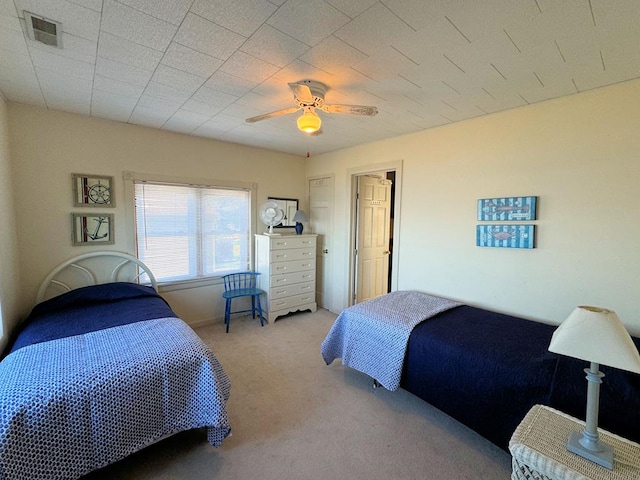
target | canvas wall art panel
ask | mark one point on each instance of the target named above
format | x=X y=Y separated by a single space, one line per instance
x=505 y=236
x=507 y=209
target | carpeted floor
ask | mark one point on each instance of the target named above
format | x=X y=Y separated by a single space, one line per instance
x=293 y=417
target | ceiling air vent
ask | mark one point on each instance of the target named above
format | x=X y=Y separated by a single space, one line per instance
x=43 y=30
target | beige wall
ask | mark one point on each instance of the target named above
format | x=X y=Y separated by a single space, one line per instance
x=9 y=272
x=47 y=147
x=580 y=155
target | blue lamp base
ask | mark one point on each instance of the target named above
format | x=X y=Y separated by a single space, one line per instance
x=299 y=228
x=588 y=444
x=601 y=453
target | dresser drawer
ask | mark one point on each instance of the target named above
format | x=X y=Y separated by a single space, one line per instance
x=292 y=289
x=293 y=254
x=293 y=266
x=290 y=303
x=291 y=278
x=292 y=241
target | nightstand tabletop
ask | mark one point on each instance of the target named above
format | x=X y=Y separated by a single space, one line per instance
x=540 y=442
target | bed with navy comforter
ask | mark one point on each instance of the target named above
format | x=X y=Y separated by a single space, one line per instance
x=483 y=368
x=99 y=373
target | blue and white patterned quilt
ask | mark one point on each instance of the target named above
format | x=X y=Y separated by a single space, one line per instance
x=76 y=404
x=372 y=336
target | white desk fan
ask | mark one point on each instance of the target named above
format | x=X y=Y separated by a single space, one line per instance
x=271 y=215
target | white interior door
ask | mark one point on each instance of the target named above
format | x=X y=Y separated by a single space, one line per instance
x=372 y=237
x=320 y=223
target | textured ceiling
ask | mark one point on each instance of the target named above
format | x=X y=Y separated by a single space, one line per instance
x=201 y=67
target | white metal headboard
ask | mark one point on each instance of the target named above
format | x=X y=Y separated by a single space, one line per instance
x=93 y=268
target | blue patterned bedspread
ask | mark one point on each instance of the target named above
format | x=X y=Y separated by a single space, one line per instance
x=372 y=336
x=76 y=404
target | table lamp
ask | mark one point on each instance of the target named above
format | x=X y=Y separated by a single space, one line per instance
x=300 y=217
x=598 y=336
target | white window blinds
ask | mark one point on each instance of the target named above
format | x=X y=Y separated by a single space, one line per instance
x=186 y=232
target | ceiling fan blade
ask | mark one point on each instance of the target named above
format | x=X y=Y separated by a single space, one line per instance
x=286 y=111
x=302 y=92
x=353 y=109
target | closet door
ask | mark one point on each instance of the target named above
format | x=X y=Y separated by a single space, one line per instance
x=320 y=223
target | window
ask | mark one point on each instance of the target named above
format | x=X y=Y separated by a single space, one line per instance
x=188 y=232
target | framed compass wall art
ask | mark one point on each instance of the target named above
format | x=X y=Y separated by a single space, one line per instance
x=93 y=191
x=92 y=229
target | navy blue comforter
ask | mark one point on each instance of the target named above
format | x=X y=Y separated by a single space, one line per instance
x=89 y=309
x=487 y=370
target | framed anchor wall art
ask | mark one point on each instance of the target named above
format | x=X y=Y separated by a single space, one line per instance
x=93 y=191
x=92 y=229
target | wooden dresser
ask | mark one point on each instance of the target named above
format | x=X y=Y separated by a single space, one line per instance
x=287 y=266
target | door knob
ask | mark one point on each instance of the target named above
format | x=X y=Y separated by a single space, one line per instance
x=325 y=251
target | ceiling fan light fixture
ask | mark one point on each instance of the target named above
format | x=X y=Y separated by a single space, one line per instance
x=309 y=122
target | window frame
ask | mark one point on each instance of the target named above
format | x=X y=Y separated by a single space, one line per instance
x=130 y=178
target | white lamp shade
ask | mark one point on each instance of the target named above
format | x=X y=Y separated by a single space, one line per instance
x=300 y=216
x=597 y=335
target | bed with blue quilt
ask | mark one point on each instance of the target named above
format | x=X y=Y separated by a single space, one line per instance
x=101 y=371
x=484 y=369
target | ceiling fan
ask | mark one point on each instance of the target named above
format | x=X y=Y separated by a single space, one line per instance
x=309 y=95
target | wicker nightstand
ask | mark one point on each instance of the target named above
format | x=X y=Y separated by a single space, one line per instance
x=538 y=450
